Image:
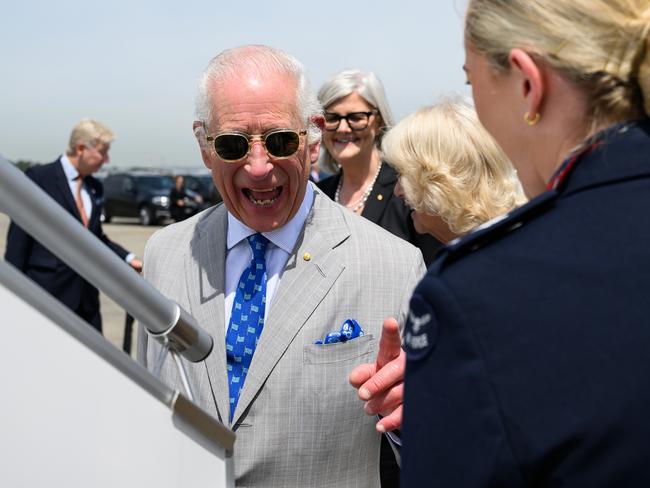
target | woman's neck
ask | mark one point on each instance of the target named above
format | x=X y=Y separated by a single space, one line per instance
x=563 y=128
x=359 y=171
x=568 y=143
x=356 y=183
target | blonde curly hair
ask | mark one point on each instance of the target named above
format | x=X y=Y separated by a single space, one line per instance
x=451 y=167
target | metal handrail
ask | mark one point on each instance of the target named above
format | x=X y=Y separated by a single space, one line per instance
x=189 y=418
x=35 y=211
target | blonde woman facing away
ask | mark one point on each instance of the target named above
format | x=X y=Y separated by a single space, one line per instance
x=451 y=172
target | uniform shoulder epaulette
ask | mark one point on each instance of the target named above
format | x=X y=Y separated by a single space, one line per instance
x=494 y=229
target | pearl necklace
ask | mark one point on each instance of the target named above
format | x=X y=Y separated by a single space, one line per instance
x=355 y=206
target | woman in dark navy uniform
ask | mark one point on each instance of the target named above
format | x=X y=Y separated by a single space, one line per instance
x=528 y=342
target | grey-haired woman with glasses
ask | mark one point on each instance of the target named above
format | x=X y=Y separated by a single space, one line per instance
x=356 y=115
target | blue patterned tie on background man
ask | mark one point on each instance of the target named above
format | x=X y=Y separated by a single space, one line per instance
x=246 y=319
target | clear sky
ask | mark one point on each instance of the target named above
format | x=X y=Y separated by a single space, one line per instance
x=134 y=64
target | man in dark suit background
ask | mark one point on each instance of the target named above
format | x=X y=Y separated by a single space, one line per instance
x=69 y=182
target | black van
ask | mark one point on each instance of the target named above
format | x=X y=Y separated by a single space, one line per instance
x=137 y=194
x=202 y=184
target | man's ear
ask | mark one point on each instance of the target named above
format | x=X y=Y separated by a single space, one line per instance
x=78 y=149
x=314 y=149
x=314 y=152
x=532 y=86
x=199 y=133
x=318 y=120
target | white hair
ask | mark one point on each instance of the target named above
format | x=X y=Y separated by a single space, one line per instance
x=369 y=87
x=261 y=60
x=89 y=132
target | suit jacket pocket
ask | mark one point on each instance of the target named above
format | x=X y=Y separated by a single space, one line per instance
x=338 y=352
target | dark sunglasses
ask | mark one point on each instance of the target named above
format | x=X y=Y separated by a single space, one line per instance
x=235 y=146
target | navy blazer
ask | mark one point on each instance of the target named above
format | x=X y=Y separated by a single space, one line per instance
x=45 y=268
x=388 y=211
x=528 y=342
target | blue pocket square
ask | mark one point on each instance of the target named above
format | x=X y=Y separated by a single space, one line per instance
x=349 y=330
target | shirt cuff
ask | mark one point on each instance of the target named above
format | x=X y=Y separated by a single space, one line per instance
x=129 y=257
x=395 y=436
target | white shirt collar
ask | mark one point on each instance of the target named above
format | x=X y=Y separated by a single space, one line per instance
x=70 y=171
x=285 y=237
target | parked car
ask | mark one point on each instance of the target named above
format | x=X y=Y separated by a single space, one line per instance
x=137 y=194
x=204 y=186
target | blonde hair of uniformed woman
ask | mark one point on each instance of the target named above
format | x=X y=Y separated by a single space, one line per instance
x=602 y=46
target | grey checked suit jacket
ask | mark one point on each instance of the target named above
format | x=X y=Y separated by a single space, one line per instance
x=298 y=421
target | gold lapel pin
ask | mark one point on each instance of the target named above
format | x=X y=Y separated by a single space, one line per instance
x=380 y=197
x=306 y=256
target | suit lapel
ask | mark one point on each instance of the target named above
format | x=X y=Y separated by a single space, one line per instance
x=95 y=198
x=66 y=199
x=380 y=195
x=205 y=281
x=291 y=307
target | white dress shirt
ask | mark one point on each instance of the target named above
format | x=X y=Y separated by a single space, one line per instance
x=71 y=175
x=281 y=244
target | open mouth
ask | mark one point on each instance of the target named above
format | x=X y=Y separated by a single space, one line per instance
x=264 y=197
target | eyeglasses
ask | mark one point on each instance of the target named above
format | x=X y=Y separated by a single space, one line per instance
x=235 y=146
x=355 y=120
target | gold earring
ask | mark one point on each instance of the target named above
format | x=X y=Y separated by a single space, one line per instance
x=534 y=120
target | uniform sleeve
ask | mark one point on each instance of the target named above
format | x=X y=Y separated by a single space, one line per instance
x=452 y=428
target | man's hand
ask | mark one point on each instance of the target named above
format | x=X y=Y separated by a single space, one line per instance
x=381 y=385
x=136 y=264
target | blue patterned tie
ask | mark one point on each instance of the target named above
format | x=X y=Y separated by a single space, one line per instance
x=246 y=319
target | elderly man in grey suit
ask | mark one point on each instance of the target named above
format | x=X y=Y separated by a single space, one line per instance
x=293 y=287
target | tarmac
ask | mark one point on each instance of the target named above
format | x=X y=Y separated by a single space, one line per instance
x=130 y=235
